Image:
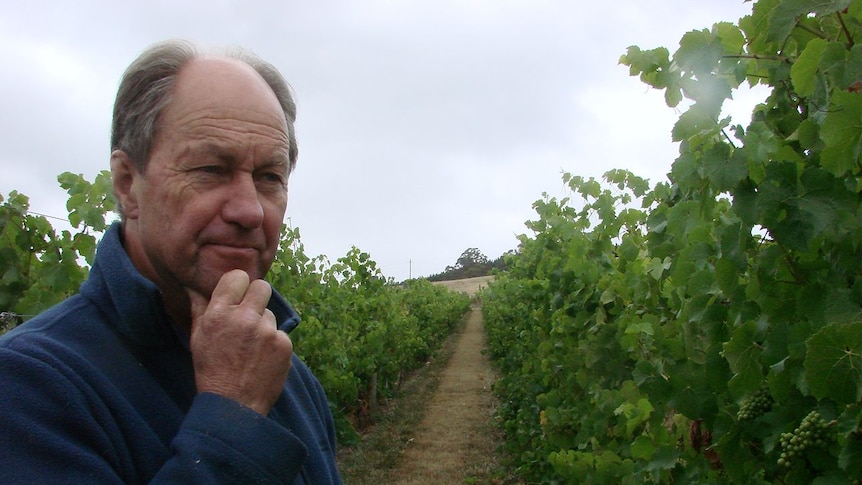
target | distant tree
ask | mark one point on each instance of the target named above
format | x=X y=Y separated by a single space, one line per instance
x=469 y=258
x=470 y=264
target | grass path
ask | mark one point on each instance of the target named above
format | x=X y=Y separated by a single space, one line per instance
x=455 y=441
x=440 y=429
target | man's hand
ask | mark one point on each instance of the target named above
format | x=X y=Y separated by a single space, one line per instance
x=237 y=349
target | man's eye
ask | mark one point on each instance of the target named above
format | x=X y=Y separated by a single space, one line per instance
x=213 y=169
x=271 y=177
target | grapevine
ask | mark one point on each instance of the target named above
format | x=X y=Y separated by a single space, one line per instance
x=635 y=314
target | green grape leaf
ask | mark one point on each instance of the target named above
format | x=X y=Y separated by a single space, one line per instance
x=806 y=218
x=742 y=352
x=852 y=67
x=826 y=7
x=642 y=448
x=730 y=36
x=726 y=275
x=783 y=19
x=653 y=65
x=665 y=458
x=804 y=70
x=697 y=52
x=840 y=306
x=833 y=478
x=833 y=363
x=808 y=134
x=723 y=169
x=697 y=120
x=850 y=458
x=842 y=134
x=656 y=267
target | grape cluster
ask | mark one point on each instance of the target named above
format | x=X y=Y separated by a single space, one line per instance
x=811 y=433
x=755 y=405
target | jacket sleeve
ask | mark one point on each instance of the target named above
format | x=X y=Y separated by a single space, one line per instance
x=222 y=441
x=55 y=429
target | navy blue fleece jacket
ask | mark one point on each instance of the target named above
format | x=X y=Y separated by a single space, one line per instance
x=100 y=389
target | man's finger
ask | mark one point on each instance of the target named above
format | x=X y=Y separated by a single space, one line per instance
x=268 y=316
x=231 y=288
x=257 y=295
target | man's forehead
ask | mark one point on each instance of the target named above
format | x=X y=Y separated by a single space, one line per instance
x=226 y=84
x=212 y=69
x=224 y=98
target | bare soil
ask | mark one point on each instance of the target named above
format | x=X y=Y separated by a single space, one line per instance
x=471 y=286
x=456 y=441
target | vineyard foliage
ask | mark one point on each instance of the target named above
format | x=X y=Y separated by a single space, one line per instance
x=359 y=334
x=41 y=267
x=707 y=329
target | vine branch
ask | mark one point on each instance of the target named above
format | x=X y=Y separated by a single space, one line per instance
x=811 y=31
x=847 y=33
x=757 y=57
x=727 y=137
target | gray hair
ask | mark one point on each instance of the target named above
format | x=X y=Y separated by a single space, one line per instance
x=146 y=87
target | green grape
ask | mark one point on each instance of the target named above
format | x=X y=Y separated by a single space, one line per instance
x=812 y=432
x=755 y=405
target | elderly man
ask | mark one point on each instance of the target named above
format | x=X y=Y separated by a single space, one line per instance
x=173 y=364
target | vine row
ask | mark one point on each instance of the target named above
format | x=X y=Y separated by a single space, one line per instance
x=707 y=329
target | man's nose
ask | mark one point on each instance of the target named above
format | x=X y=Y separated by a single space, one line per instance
x=243 y=205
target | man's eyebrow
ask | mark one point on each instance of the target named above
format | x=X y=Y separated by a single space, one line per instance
x=276 y=161
x=220 y=153
x=227 y=154
x=280 y=157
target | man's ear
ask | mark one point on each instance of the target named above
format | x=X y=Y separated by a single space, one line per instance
x=124 y=173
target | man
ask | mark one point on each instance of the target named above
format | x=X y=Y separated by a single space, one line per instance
x=170 y=366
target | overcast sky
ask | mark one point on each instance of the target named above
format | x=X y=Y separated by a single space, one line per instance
x=425 y=127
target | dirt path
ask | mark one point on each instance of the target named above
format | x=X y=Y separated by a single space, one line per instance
x=456 y=439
